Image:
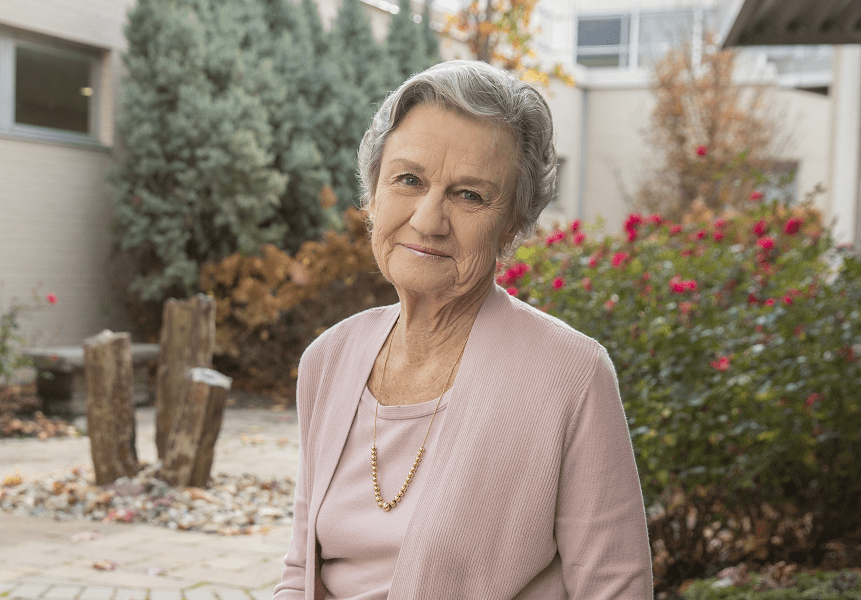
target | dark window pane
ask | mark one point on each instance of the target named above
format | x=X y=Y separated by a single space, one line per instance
x=601 y=32
x=603 y=60
x=51 y=90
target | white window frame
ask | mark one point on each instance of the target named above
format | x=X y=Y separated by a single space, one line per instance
x=622 y=50
x=9 y=40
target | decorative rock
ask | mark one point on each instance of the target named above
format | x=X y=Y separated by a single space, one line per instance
x=232 y=505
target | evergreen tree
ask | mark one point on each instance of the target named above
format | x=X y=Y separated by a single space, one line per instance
x=367 y=65
x=200 y=178
x=319 y=37
x=432 y=56
x=405 y=42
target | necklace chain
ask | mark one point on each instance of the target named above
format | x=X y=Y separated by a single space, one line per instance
x=387 y=506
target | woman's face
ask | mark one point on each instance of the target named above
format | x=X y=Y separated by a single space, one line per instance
x=446 y=184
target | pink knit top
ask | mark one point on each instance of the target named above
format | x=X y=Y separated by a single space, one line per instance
x=528 y=488
x=360 y=542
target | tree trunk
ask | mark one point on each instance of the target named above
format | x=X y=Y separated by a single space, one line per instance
x=191 y=443
x=110 y=405
x=187 y=341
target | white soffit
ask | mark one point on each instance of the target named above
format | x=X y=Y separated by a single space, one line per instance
x=792 y=22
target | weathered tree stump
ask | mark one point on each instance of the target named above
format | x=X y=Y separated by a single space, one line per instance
x=110 y=405
x=187 y=341
x=191 y=444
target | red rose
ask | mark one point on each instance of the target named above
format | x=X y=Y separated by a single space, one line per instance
x=558 y=283
x=760 y=228
x=769 y=302
x=632 y=235
x=575 y=225
x=792 y=225
x=751 y=299
x=814 y=397
x=512 y=290
x=722 y=364
x=674 y=229
x=51 y=298
x=655 y=218
x=754 y=196
x=718 y=235
x=579 y=237
x=702 y=150
x=554 y=237
x=701 y=234
x=619 y=258
x=787 y=299
x=593 y=261
x=720 y=223
x=766 y=243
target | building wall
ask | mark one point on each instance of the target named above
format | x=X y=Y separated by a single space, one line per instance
x=618 y=157
x=54 y=201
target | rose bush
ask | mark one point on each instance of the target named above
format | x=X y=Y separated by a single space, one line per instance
x=736 y=342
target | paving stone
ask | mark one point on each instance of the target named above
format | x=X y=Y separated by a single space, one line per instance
x=200 y=593
x=165 y=595
x=233 y=594
x=262 y=594
x=63 y=592
x=97 y=592
x=132 y=594
x=29 y=590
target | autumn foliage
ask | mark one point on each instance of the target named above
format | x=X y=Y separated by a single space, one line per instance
x=272 y=305
x=714 y=140
x=499 y=32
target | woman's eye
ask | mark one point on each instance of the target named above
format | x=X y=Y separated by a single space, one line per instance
x=471 y=196
x=410 y=180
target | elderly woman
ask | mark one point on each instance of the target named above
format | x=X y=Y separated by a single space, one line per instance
x=461 y=444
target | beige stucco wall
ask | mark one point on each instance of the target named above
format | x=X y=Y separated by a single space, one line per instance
x=618 y=157
x=54 y=201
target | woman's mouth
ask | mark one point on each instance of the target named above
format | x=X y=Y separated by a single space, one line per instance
x=424 y=252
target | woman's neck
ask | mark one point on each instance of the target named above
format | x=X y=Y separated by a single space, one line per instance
x=431 y=332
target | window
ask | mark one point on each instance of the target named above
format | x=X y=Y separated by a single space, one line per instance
x=48 y=91
x=603 y=42
x=635 y=40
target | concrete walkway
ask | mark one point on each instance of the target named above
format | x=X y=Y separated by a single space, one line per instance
x=44 y=558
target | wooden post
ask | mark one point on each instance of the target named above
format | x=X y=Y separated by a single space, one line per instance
x=110 y=405
x=191 y=443
x=187 y=341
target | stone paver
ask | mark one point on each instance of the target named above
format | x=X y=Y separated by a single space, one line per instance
x=234 y=594
x=62 y=592
x=39 y=560
x=165 y=595
x=29 y=590
x=201 y=593
x=262 y=594
x=97 y=592
x=131 y=594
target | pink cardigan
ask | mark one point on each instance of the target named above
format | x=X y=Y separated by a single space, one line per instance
x=534 y=492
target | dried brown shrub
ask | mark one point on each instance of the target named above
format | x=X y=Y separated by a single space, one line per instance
x=270 y=307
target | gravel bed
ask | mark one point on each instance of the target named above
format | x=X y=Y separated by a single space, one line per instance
x=231 y=505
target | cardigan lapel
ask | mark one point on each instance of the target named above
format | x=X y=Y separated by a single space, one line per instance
x=472 y=372
x=339 y=412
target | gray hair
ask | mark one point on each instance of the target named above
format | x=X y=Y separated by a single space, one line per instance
x=476 y=89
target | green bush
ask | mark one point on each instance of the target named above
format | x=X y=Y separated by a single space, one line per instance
x=735 y=340
x=820 y=586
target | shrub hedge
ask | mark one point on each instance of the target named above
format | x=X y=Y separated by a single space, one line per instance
x=736 y=342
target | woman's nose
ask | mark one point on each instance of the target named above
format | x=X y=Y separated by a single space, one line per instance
x=429 y=216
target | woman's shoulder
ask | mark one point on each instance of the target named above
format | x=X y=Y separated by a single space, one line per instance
x=356 y=327
x=542 y=332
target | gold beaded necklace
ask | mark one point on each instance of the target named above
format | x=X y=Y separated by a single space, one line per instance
x=387 y=506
